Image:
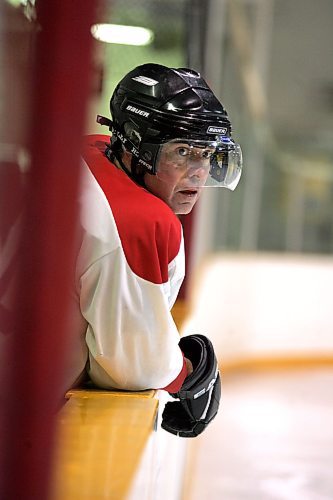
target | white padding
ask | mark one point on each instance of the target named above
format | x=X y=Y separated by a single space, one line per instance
x=262 y=304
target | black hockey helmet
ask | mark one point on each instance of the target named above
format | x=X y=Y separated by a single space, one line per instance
x=154 y=104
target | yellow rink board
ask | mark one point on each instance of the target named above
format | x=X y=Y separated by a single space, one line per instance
x=101 y=436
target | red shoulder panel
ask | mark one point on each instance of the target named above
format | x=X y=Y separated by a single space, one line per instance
x=150 y=232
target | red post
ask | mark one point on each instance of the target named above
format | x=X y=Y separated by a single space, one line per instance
x=36 y=356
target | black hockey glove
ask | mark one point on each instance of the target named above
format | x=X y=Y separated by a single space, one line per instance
x=200 y=393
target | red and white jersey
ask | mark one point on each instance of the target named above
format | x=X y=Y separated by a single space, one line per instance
x=129 y=270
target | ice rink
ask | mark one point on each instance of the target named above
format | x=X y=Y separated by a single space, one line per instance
x=273 y=439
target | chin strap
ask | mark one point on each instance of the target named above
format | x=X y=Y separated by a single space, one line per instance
x=112 y=156
x=113 y=151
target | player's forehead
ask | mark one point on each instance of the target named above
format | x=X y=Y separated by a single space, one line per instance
x=191 y=145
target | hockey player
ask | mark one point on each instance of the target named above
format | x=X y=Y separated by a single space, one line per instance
x=170 y=137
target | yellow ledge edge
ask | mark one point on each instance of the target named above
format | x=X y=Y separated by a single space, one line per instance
x=99 y=393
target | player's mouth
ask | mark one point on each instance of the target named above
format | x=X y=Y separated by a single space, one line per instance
x=188 y=192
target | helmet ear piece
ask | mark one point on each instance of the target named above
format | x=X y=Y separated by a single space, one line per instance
x=132 y=133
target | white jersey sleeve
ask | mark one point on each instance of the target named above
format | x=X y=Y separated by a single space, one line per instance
x=129 y=271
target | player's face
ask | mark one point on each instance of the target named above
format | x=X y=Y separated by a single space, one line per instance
x=181 y=173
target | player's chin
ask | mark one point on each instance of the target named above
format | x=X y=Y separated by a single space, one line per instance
x=183 y=208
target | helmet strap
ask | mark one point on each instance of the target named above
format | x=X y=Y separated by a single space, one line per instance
x=137 y=172
x=113 y=151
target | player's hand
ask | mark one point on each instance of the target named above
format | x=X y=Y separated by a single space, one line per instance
x=200 y=393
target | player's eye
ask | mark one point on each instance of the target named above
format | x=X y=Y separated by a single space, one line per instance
x=207 y=153
x=183 y=151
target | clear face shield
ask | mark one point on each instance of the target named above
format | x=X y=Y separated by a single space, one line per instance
x=216 y=163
